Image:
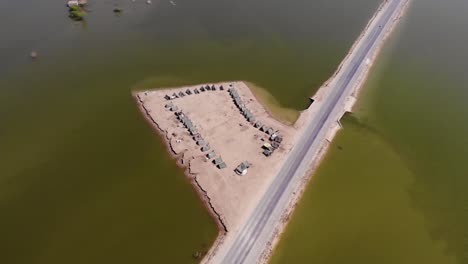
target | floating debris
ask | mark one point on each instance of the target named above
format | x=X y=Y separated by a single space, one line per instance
x=197 y=255
x=33 y=55
x=73 y=3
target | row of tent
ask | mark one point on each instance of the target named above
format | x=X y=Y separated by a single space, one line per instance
x=218 y=162
x=185 y=120
x=195 y=91
x=243 y=109
x=274 y=136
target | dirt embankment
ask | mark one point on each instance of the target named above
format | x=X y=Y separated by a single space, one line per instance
x=192 y=176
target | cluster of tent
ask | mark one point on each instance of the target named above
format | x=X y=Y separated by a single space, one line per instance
x=275 y=139
x=204 y=146
x=195 y=91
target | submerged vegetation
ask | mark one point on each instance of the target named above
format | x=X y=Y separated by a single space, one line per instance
x=76 y=12
x=118 y=9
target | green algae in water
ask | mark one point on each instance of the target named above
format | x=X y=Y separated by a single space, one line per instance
x=357 y=208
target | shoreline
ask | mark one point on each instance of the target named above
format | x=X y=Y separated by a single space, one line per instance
x=205 y=199
x=272 y=107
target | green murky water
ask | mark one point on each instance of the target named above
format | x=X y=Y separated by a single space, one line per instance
x=393 y=188
x=83 y=178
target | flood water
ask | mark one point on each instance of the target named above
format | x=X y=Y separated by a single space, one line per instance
x=83 y=178
x=393 y=188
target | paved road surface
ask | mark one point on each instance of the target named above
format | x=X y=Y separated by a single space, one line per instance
x=252 y=238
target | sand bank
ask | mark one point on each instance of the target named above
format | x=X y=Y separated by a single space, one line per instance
x=227 y=132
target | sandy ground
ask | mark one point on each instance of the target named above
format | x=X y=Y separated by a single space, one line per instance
x=228 y=133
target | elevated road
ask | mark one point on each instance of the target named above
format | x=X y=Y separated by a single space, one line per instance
x=248 y=243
